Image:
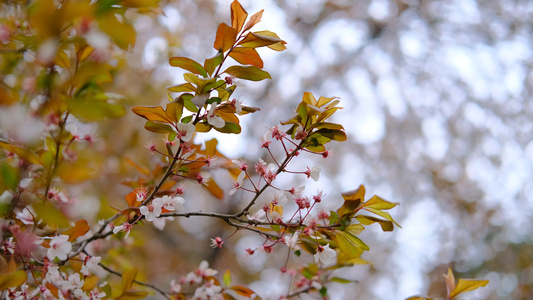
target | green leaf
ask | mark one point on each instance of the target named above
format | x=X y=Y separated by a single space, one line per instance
x=327 y=125
x=227 y=278
x=89 y=110
x=350 y=245
x=368 y=220
x=122 y=34
x=188 y=64
x=331 y=134
x=341 y=280
x=9 y=177
x=263 y=38
x=12 y=280
x=229 y=127
x=377 y=202
x=252 y=73
x=158 y=127
x=51 y=215
x=210 y=64
x=24 y=154
x=383 y=214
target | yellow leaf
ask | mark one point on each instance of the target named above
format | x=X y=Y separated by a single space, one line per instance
x=214 y=189
x=122 y=34
x=238 y=15
x=90 y=282
x=466 y=285
x=377 y=202
x=128 y=277
x=76 y=172
x=25 y=154
x=156 y=113
x=51 y=215
x=13 y=279
x=226 y=37
x=62 y=59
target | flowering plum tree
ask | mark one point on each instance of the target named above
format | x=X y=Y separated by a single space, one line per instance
x=58 y=59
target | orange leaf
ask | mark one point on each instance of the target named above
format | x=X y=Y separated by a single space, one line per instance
x=226 y=37
x=214 y=189
x=243 y=291
x=238 y=15
x=80 y=228
x=254 y=19
x=247 y=56
x=156 y=113
x=138 y=167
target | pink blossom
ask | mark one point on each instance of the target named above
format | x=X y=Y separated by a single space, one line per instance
x=313 y=173
x=237 y=184
x=89 y=265
x=60 y=247
x=217 y=242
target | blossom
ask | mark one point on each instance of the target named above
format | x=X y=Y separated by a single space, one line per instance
x=153 y=210
x=59 y=247
x=325 y=254
x=140 y=194
x=209 y=291
x=172 y=203
x=292 y=241
x=237 y=184
x=25 y=216
x=214 y=120
x=89 y=265
x=237 y=104
x=6 y=197
x=185 y=131
x=204 y=270
x=318 y=196
x=217 y=242
x=174 y=287
x=124 y=227
x=314 y=173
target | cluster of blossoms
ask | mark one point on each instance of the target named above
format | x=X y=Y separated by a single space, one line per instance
x=60 y=285
x=202 y=281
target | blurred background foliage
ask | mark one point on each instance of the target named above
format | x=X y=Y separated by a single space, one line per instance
x=436 y=108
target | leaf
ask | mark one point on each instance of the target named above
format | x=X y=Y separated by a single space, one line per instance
x=80 y=228
x=352 y=200
x=175 y=109
x=89 y=110
x=466 y=285
x=243 y=291
x=229 y=127
x=336 y=135
x=188 y=64
x=368 y=220
x=383 y=214
x=133 y=295
x=156 y=113
x=350 y=244
x=24 y=154
x=12 y=279
x=123 y=35
x=341 y=280
x=252 y=73
x=138 y=167
x=90 y=282
x=76 y=172
x=211 y=63
x=214 y=189
x=261 y=39
x=327 y=125
x=184 y=87
x=247 y=56
x=51 y=215
x=450 y=281
x=158 y=127
x=238 y=15
x=226 y=37
x=128 y=277
x=227 y=278
x=254 y=19
x=377 y=202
